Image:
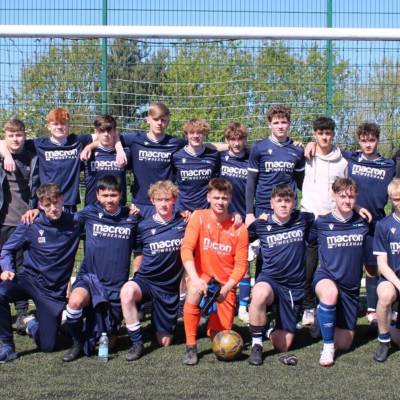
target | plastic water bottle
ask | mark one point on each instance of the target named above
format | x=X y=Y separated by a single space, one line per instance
x=103 y=348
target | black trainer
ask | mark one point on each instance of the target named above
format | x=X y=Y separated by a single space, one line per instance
x=73 y=353
x=256 y=356
x=190 y=357
x=382 y=351
x=135 y=352
x=20 y=325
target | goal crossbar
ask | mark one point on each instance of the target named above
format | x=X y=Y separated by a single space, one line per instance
x=196 y=32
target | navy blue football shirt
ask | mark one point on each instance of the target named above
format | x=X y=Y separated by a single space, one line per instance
x=387 y=241
x=373 y=178
x=101 y=163
x=275 y=163
x=150 y=161
x=193 y=172
x=49 y=252
x=283 y=247
x=234 y=169
x=160 y=244
x=341 y=248
x=61 y=164
x=109 y=243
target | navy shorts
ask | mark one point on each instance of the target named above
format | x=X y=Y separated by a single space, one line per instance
x=347 y=304
x=165 y=305
x=288 y=302
x=369 y=258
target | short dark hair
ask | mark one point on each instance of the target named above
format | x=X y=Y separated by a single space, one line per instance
x=281 y=110
x=109 y=182
x=48 y=192
x=282 y=190
x=220 y=184
x=342 y=184
x=323 y=123
x=368 y=129
x=105 y=123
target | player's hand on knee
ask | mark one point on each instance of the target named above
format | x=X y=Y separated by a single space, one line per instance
x=7 y=276
x=30 y=216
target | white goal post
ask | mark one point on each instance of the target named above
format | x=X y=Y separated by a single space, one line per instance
x=196 y=32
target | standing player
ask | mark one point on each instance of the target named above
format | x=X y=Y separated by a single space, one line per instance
x=341 y=237
x=103 y=160
x=213 y=248
x=372 y=173
x=17 y=194
x=387 y=249
x=234 y=164
x=110 y=234
x=321 y=171
x=159 y=238
x=49 y=244
x=58 y=156
x=272 y=160
x=281 y=279
x=195 y=165
x=151 y=155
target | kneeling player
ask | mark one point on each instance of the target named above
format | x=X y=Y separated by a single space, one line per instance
x=387 y=248
x=159 y=238
x=110 y=232
x=213 y=247
x=341 y=238
x=49 y=244
x=282 y=276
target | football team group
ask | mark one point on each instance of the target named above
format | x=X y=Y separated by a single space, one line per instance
x=199 y=212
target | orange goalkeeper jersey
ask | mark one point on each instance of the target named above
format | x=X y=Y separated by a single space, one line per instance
x=218 y=250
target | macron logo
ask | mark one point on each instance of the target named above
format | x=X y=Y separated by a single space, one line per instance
x=368 y=172
x=353 y=240
x=195 y=174
x=284 y=166
x=104 y=166
x=116 y=232
x=155 y=156
x=234 y=172
x=60 y=154
x=165 y=246
x=208 y=244
x=285 y=238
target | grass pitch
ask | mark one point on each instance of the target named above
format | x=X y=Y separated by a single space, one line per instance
x=159 y=374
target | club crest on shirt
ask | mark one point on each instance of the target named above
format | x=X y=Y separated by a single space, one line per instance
x=331 y=226
x=393 y=230
x=41 y=238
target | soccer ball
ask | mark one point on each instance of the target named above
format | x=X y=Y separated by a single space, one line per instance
x=227 y=345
